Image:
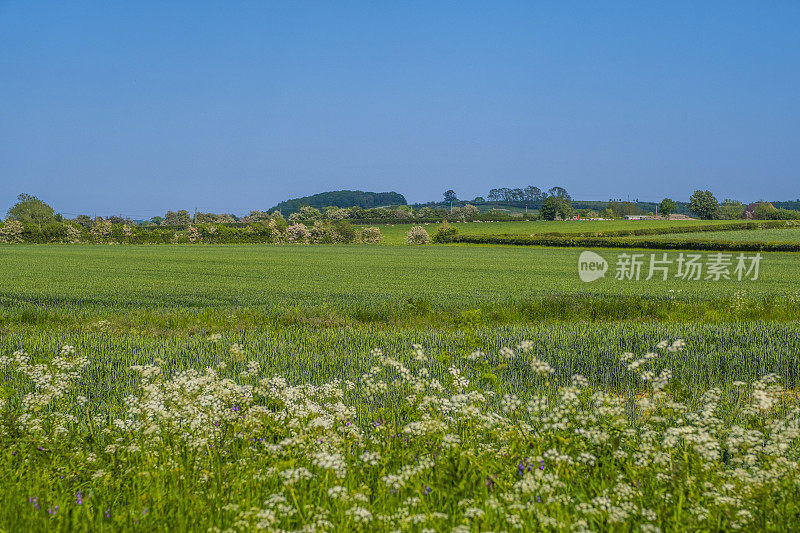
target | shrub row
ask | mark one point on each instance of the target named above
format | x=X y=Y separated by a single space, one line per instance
x=381 y=221
x=730 y=226
x=105 y=232
x=607 y=242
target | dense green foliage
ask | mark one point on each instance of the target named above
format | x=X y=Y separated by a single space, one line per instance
x=102 y=231
x=793 y=205
x=341 y=199
x=704 y=205
x=768 y=212
x=554 y=206
x=445 y=233
x=667 y=207
x=731 y=210
x=31 y=210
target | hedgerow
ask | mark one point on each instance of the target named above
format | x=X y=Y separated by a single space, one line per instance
x=103 y=232
x=621 y=242
x=730 y=226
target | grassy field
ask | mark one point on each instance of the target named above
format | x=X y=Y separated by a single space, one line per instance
x=178 y=421
x=396 y=233
x=95 y=279
x=761 y=235
x=328 y=301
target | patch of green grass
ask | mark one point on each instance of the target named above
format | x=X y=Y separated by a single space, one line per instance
x=396 y=233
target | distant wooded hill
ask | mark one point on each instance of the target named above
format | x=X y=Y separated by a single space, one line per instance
x=795 y=205
x=342 y=199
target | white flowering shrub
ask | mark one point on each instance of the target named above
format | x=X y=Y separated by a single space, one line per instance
x=371 y=235
x=319 y=233
x=277 y=234
x=309 y=213
x=73 y=234
x=336 y=213
x=193 y=233
x=11 y=232
x=417 y=235
x=101 y=231
x=297 y=233
x=408 y=446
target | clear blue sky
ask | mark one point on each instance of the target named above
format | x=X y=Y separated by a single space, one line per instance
x=138 y=107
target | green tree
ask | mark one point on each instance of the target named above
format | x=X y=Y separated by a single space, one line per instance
x=344 y=231
x=532 y=194
x=559 y=192
x=310 y=213
x=731 y=210
x=564 y=208
x=258 y=216
x=765 y=211
x=704 y=205
x=620 y=209
x=549 y=210
x=86 y=221
x=667 y=207
x=181 y=218
x=31 y=210
x=450 y=196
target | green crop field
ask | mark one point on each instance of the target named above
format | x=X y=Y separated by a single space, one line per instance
x=396 y=233
x=353 y=387
x=86 y=278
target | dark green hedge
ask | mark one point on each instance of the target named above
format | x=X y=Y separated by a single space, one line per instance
x=608 y=242
x=729 y=226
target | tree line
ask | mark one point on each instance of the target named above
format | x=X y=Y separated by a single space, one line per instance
x=506 y=195
x=32 y=220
